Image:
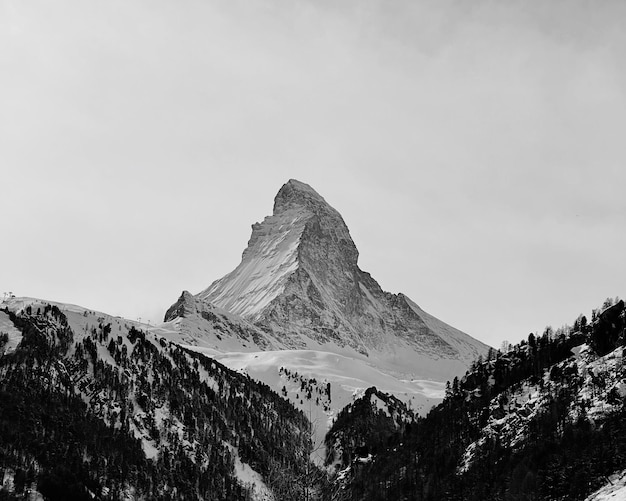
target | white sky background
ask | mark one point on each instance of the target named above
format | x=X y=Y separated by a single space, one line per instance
x=476 y=150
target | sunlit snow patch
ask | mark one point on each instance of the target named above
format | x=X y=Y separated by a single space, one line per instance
x=14 y=335
x=614 y=490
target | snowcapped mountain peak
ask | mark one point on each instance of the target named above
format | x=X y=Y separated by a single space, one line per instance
x=303 y=229
x=299 y=283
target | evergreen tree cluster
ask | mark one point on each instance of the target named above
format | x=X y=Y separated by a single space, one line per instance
x=363 y=429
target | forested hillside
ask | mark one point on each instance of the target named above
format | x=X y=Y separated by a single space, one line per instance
x=545 y=420
x=94 y=408
x=372 y=423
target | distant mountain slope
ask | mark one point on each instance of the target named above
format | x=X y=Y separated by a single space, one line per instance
x=96 y=407
x=300 y=285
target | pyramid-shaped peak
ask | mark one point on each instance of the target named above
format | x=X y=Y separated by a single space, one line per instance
x=299 y=282
x=295 y=193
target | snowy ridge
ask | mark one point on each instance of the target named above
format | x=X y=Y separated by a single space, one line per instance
x=267 y=262
x=461 y=342
x=193 y=321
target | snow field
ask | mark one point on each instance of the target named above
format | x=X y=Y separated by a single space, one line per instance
x=348 y=378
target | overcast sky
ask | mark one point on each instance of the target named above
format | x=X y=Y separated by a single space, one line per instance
x=476 y=150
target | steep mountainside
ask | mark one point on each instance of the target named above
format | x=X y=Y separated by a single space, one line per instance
x=95 y=407
x=545 y=421
x=370 y=424
x=300 y=285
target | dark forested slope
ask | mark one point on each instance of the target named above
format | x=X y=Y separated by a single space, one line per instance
x=545 y=420
x=93 y=408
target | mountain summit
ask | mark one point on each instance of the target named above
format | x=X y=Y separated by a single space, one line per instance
x=299 y=260
x=299 y=283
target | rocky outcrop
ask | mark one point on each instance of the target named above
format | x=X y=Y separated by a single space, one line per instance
x=196 y=319
x=184 y=307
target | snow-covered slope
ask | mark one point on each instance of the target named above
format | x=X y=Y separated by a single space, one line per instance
x=14 y=336
x=614 y=490
x=266 y=265
x=299 y=286
x=177 y=412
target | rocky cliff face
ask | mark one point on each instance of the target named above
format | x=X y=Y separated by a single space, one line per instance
x=299 y=281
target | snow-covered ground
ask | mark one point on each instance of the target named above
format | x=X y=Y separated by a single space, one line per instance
x=15 y=336
x=614 y=490
x=348 y=378
x=250 y=478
